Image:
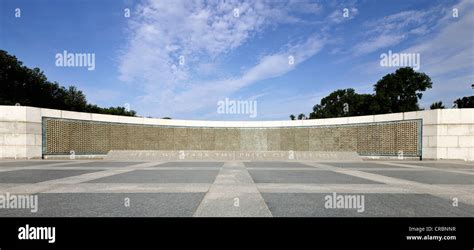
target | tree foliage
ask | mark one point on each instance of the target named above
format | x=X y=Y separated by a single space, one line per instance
x=395 y=92
x=342 y=102
x=437 y=105
x=301 y=116
x=30 y=87
x=465 y=102
x=400 y=91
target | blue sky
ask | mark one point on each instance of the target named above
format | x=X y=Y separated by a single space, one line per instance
x=241 y=58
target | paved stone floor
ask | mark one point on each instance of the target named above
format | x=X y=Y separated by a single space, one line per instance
x=257 y=189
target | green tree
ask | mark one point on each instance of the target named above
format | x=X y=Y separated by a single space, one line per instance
x=400 y=91
x=395 y=92
x=301 y=116
x=343 y=102
x=292 y=117
x=30 y=87
x=75 y=99
x=437 y=105
x=465 y=102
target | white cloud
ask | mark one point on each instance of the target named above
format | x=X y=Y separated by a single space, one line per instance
x=393 y=29
x=378 y=42
x=399 y=21
x=452 y=48
x=205 y=94
x=202 y=32
x=447 y=56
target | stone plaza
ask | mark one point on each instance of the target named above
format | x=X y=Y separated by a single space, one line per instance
x=104 y=188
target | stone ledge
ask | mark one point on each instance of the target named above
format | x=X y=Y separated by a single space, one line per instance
x=203 y=155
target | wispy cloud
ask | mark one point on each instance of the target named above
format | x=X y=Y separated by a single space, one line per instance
x=378 y=42
x=205 y=33
x=447 y=55
x=395 y=28
x=206 y=94
x=200 y=33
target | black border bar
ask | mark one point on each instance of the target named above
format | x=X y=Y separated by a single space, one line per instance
x=289 y=233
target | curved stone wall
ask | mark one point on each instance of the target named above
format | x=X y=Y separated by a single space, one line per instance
x=445 y=133
x=62 y=136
